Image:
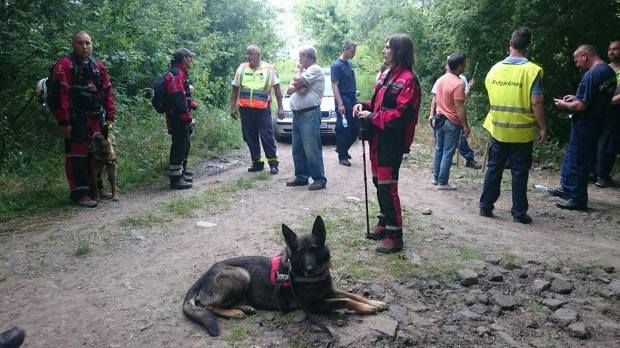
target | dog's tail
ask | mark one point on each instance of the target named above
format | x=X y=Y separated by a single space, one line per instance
x=198 y=313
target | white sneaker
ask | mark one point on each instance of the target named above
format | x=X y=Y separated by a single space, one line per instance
x=435 y=182
x=446 y=187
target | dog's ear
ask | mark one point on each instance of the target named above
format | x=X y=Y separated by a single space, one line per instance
x=318 y=230
x=289 y=236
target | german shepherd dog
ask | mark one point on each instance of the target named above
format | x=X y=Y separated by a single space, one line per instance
x=235 y=287
x=102 y=156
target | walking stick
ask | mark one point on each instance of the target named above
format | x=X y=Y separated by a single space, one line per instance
x=486 y=154
x=365 y=188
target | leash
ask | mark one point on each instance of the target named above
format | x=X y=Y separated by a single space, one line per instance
x=285 y=274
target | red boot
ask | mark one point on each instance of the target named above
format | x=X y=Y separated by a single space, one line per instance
x=378 y=232
x=391 y=244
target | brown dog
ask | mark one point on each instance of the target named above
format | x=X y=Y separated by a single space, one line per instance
x=299 y=278
x=102 y=155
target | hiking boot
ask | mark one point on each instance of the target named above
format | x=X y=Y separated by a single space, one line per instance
x=523 y=219
x=390 y=244
x=104 y=194
x=345 y=162
x=188 y=178
x=435 y=182
x=378 y=232
x=317 y=185
x=558 y=192
x=572 y=205
x=486 y=213
x=604 y=183
x=87 y=202
x=446 y=187
x=12 y=338
x=180 y=184
x=297 y=182
x=256 y=167
x=188 y=173
x=273 y=170
x=472 y=163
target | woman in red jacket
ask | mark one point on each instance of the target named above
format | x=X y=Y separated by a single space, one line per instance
x=389 y=121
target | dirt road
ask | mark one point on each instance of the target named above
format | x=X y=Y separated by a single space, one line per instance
x=115 y=276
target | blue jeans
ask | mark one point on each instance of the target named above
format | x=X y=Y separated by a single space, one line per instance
x=345 y=137
x=307 y=147
x=584 y=134
x=446 y=140
x=520 y=156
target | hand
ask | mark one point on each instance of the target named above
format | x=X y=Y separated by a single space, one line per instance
x=194 y=105
x=471 y=83
x=466 y=131
x=559 y=103
x=357 y=108
x=363 y=114
x=234 y=112
x=568 y=98
x=66 y=131
x=341 y=109
x=542 y=136
x=193 y=123
x=280 y=113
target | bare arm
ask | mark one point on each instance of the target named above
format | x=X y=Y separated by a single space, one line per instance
x=616 y=99
x=233 y=102
x=338 y=98
x=462 y=115
x=278 y=92
x=433 y=106
x=538 y=108
x=572 y=105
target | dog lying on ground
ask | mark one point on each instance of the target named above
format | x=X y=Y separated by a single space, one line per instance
x=102 y=156
x=299 y=278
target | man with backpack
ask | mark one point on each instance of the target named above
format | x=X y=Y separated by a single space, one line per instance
x=178 y=108
x=80 y=97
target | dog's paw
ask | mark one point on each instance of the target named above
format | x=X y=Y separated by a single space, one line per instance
x=247 y=309
x=380 y=306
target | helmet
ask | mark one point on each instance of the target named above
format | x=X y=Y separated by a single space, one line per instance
x=41 y=91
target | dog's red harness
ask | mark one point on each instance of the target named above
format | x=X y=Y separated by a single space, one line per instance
x=279 y=274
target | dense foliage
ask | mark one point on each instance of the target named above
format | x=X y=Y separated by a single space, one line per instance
x=479 y=28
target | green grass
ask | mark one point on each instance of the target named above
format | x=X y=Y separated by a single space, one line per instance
x=211 y=201
x=36 y=183
x=83 y=246
x=469 y=253
x=512 y=258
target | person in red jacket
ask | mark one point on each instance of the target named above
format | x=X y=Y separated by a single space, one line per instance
x=179 y=117
x=82 y=103
x=388 y=123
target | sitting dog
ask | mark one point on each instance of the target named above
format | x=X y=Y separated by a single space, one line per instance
x=299 y=278
x=102 y=155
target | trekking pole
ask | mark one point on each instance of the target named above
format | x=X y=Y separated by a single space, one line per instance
x=365 y=188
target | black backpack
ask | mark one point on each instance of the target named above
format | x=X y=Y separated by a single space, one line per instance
x=160 y=98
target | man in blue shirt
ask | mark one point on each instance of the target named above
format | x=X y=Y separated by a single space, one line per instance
x=589 y=106
x=343 y=85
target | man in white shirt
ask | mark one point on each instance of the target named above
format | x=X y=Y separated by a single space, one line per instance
x=306 y=92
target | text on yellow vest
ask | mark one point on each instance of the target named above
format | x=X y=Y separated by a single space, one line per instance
x=510 y=118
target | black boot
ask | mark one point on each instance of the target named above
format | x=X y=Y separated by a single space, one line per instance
x=178 y=183
x=12 y=338
x=257 y=166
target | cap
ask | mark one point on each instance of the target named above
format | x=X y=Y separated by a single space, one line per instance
x=183 y=52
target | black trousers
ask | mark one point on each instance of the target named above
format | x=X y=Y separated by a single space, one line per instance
x=179 y=149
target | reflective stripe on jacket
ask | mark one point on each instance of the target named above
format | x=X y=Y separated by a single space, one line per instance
x=510 y=118
x=254 y=86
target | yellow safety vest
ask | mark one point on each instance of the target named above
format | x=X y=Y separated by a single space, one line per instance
x=510 y=118
x=254 y=86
